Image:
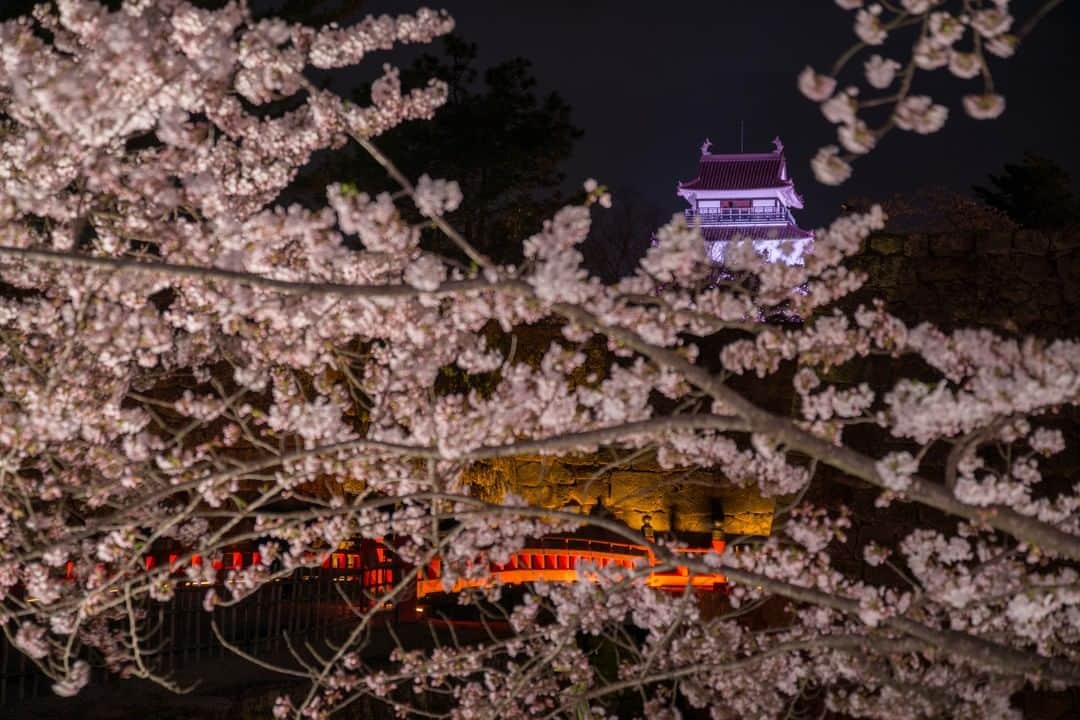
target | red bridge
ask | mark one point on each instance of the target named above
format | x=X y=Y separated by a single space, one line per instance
x=557 y=559
x=549 y=559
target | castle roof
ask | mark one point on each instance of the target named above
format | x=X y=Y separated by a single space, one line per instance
x=740 y=171
x=743 y=171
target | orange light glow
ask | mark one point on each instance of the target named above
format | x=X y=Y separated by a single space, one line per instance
x=560 y=565
x=553 y=559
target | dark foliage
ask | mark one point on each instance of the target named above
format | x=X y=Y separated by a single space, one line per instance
x=1035 y=193
x=621 y=235
x=500 y=140
x=503 y=141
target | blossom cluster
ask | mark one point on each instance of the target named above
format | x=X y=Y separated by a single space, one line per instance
x=187 y=363
x=960 y=37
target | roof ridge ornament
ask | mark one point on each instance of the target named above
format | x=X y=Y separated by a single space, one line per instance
x=706 y=147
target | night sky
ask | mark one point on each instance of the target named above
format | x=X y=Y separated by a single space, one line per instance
x=648 y=81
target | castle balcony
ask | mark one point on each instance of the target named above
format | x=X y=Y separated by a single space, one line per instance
x=739 y=216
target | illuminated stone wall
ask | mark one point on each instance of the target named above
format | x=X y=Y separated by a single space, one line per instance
x=682 y=500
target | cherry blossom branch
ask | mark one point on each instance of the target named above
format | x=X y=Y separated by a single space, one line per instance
x=937 y=44
x=1045 y=9
x=842 y=458
x=408 y=187
x=292 y=287
x=852 y=643
x=983 y=652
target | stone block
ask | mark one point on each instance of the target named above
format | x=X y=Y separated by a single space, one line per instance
x=993 y=243
x=544 y=495
x=1049 y=295
x=1069 y=272
x=748 y=523
x=1014 y=293
x=698 y=520
x=888 y=272
x=950 y=245
x=1036 y=270
x=1031 y=242
x=943 y=269
x=536 y=474
x=1024 y=315
x=916 y=246
x=887 y=244
x=646 y=463
x=643 y=490
x=1066 y=240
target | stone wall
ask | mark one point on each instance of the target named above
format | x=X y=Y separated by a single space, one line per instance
x=1022 y=281
x=683 y=500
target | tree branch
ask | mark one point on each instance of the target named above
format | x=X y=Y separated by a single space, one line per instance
x=291 y=287
x=852 y=462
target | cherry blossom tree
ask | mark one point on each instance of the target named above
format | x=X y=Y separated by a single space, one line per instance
x=962 y=36
x=185 y=360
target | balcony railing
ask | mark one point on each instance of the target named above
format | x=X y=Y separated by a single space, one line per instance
x=738 y=216
x=570 y=559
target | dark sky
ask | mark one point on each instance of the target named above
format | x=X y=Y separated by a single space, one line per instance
x=648 y=81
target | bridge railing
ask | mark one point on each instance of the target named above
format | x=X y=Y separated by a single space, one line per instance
x=559 y=559
x=317 y=601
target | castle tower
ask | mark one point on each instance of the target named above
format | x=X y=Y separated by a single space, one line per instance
x=746 y=196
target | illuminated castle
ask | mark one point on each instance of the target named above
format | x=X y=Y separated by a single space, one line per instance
x=746 y=196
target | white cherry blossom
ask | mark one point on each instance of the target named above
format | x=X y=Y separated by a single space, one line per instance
x=815 y=86
x=880 y=72
x=869 y=28
x=829 y=168
x=984 y=107
x=919 y=113
x=857 y=137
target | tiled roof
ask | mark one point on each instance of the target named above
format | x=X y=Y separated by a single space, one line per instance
x=755 y=232
x=738 y=172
